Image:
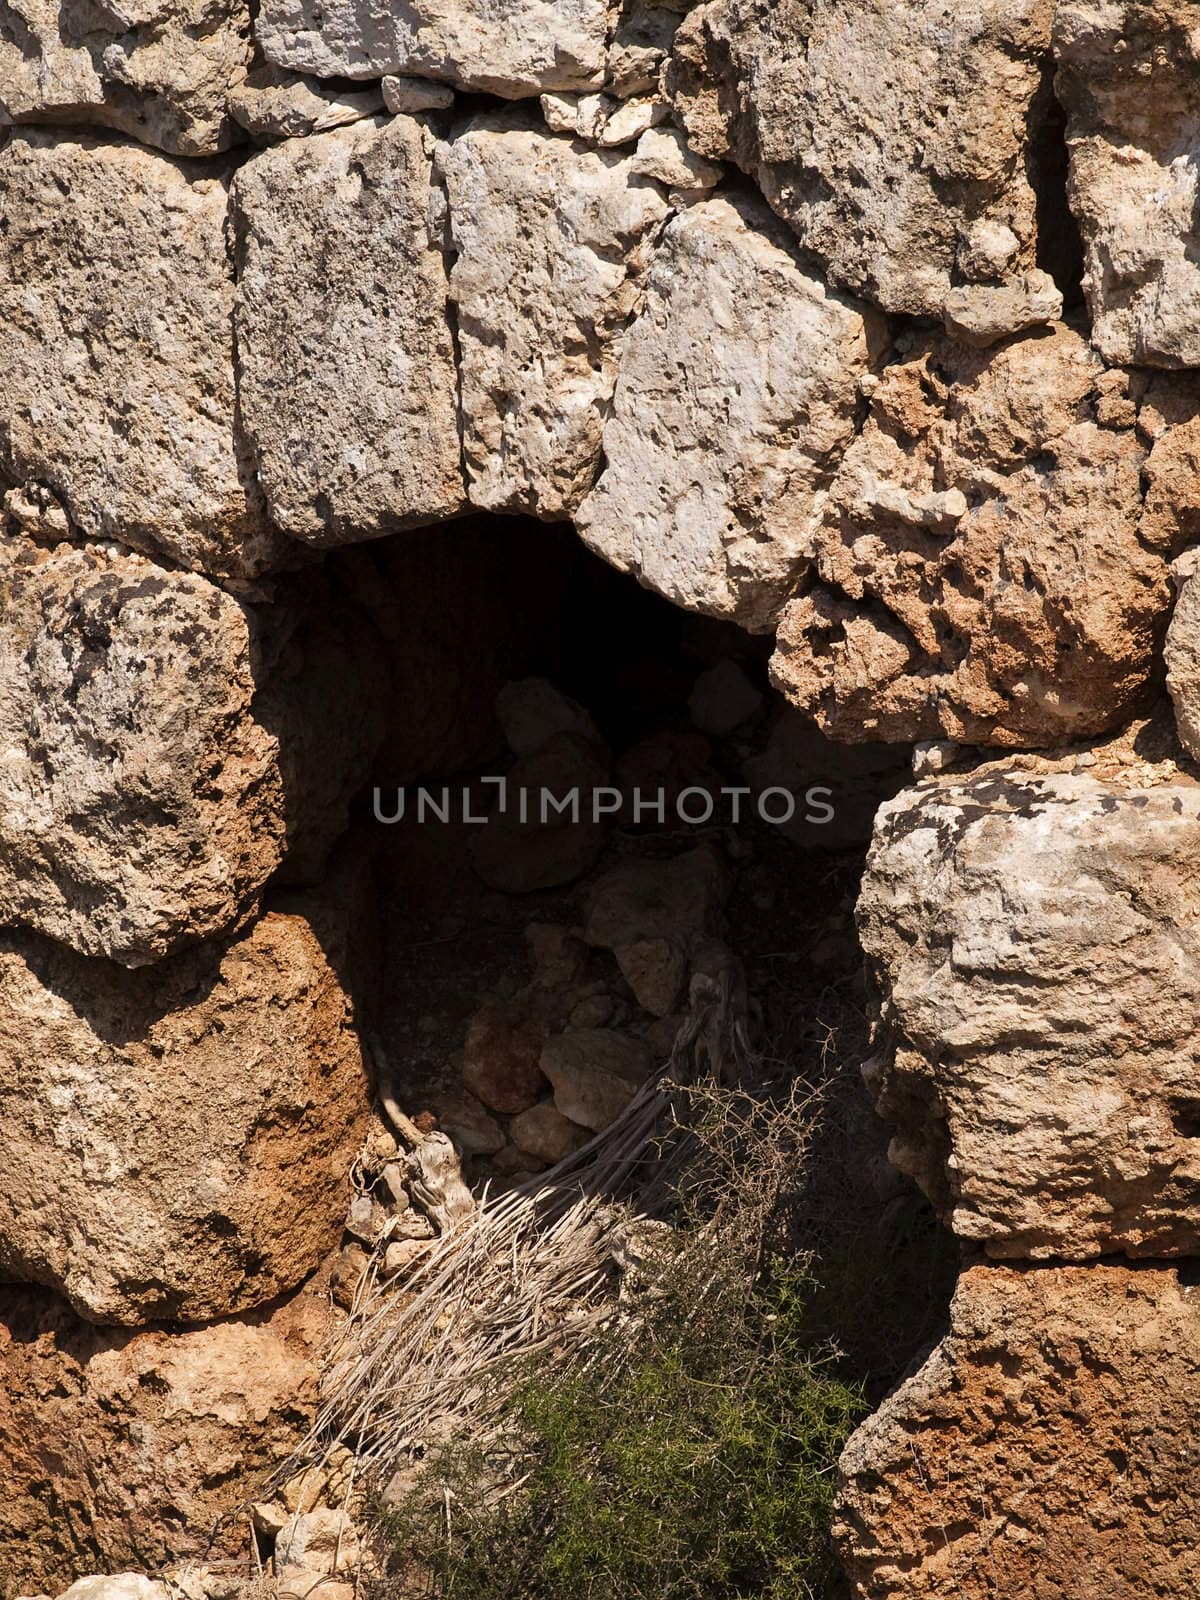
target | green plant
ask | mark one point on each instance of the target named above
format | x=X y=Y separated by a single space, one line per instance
x=692 y=1456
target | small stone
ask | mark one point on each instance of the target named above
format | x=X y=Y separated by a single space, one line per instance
x=656 y=971
x=543 y=1132
x=664 y=153
x=549 y=833
x=722 y=699
x=593 y=1012
x=473 y=1131
x=401 y=1254
x=273 y=105
x=411 y=96
x=125 y=1586
x=982 y=314
x=595 y=1072
x=347 y=1273
x=532 y=711
x=269 y=1517
x=644 y=900
x=322 y=1542
x=931 y=756
x=629 y=121
x=500 y=1058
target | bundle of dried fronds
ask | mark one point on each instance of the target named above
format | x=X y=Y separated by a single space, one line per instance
x=533 y=1274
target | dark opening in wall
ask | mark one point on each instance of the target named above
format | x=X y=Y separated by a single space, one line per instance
x=536 y=964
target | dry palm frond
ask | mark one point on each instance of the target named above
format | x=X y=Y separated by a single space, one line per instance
x=532 y=1274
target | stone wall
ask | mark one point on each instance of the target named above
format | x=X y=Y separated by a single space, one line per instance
x=869 y=328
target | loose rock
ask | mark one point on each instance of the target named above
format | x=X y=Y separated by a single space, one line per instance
x=595 y=1072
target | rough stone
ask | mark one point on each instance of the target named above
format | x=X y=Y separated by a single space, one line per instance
x=272 y=105
x=532 y=711
x=115 y=345
x=550 y=830
x=524 y=47
x=656 y=970
x=348 y=389
x=1045 y=1448
x=410 y=96
x=143 y=808
x=500 y=1058
x=160 y=71
x=544 y=1133
x=665 y=154
x=1128 y=78
x=1183 y=665
x=121 y=1586
x=883 y=134
x=679 y=899
x=980 y=569
x=1031 y=940
x=736 y=398
x=982 y=314
x=551 y=244
x=126 y=1449
x=595 y=1072
x=176 y=1141
x=322 y=1542
x=639 y=45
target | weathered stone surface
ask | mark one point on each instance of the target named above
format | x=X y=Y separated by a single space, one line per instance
x=1032 y=941
x=680 y=899
x=1047 y=1447
x=595 y=1073
x=176 y=1141
x=550 y=828
x=544 y=1133
x=1128 y=75
x=641 y=35
x=272 y=105
x=121 y=1586
x=736 y=398
x=158 y=738
x=500 y=1058
x=348 y=386
x=551 y=244
x=982 y=574
x=885 y=135
x=520 y=48
x=1183 y=662
x=115 y=346
x=160 y=70
x=122 y=1450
